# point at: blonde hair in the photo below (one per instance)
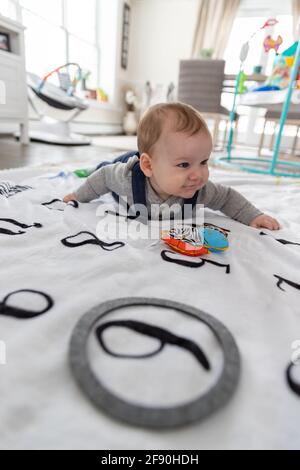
(186, 119)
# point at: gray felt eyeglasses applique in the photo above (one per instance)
(155, 417)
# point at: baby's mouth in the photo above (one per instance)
(192, 186)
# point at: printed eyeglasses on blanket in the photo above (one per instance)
(10, 306)
(154, 362)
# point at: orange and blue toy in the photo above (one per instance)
(196, 241)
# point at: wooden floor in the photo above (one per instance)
(15, 155)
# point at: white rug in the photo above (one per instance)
(42, 406)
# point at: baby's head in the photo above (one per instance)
(175, 145)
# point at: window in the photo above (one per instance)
(60, 31)
(8, 8)
(284, 28)
(49, 10)
(251, 17)
(81, 19)
(242, 30)
(86, 55)
(45, 44)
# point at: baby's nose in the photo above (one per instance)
(195, 175)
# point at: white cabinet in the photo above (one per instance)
(13, 88)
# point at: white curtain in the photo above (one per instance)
(215, 20)
(296, 16)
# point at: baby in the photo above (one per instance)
(171, 167)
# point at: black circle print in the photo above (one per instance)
(11, 311)
(292, 384)
(52, 205)
(163, 416)
(92, 240)
(6, 231)
(164, 336)
(197, 263)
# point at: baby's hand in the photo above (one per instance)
(265, 221)
(70, 197)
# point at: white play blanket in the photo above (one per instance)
(42, 406)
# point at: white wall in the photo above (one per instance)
(161, 34)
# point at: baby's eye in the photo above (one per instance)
(204, 162)
(183, 165)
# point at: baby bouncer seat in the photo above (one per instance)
(61, 97)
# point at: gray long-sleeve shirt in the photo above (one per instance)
(117, 178)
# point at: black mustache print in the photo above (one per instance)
(20, 312)
(192, 264)
(126, 217)
(217, 227)
(93, 240)
(48, 204)
(290, 283)
(18, 224)
(164, 336)
(281, 240)
(293, 385)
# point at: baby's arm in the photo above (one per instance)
(94, 187)
(234, 205)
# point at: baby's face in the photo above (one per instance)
(180, 163)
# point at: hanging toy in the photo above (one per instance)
(196, 241)
(242, 87)
(270, 43)
(245, 46)
(269, 22)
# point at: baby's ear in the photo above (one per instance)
(146, 164)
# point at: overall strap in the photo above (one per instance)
(138, 185)
(191, 201)
(126, 156)
(122, 158)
